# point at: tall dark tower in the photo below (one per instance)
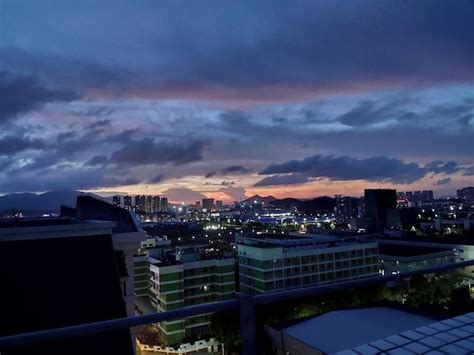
(377, 203)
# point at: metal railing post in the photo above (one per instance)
(248, 338)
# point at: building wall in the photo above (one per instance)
(268, 269)
(377, 203)
(150, 248)
(188, 284)
(141, 277)
(128, 243)
(390, 264)
(461, 252)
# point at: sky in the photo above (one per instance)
(227, 99)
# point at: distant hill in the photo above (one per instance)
(48, 202)
(259, 199)
(315, 205)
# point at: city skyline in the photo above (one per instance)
(237, 99)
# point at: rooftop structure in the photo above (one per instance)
(127, 235)
(333, 332)
(49, 286)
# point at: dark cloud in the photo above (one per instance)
(227, 183)
(210, 174)
(369, 112)
(443, 181)
(122, 137)
(6, 162)
(439, 167)
(399, 109)
(376, 76)
(95, 111)
(282, 179)
(469, 171)
(232, 170)
(63, 136)
(100, 124)
(149, 151)
(347, 168)
(98, 160)
(229, 47)
(157, 179)
(19, 95)
(12, 144)
(64, 178)
(235, 169)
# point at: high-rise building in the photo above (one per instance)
(140, 203)
(427, 196)
(377, 203)
(347, 208)
(164, 205)
(219, 205)
(466, 193)
(268, 264)
(116, 200)
(208, 204)
(127, 202)
(183, 279)
(417, 196)
(156, 204)
(149, 204)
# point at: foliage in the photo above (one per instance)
(225, 328)
(433, 291)
(460, 301)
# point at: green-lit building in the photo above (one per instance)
(185, 279)
(269, 263)
(151, 248)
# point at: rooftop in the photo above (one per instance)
(35, 222)
(339, 330)
(450, 336)
(275, 240)
(408, 250)
(90, 208)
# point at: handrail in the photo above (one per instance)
(244, 302)
(113, 324)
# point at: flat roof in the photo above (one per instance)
(408, 250)
(35, 222)
(285, 240)
(49, 230)
(449, 336)
(339, 330)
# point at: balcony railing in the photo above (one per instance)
(245, 303)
